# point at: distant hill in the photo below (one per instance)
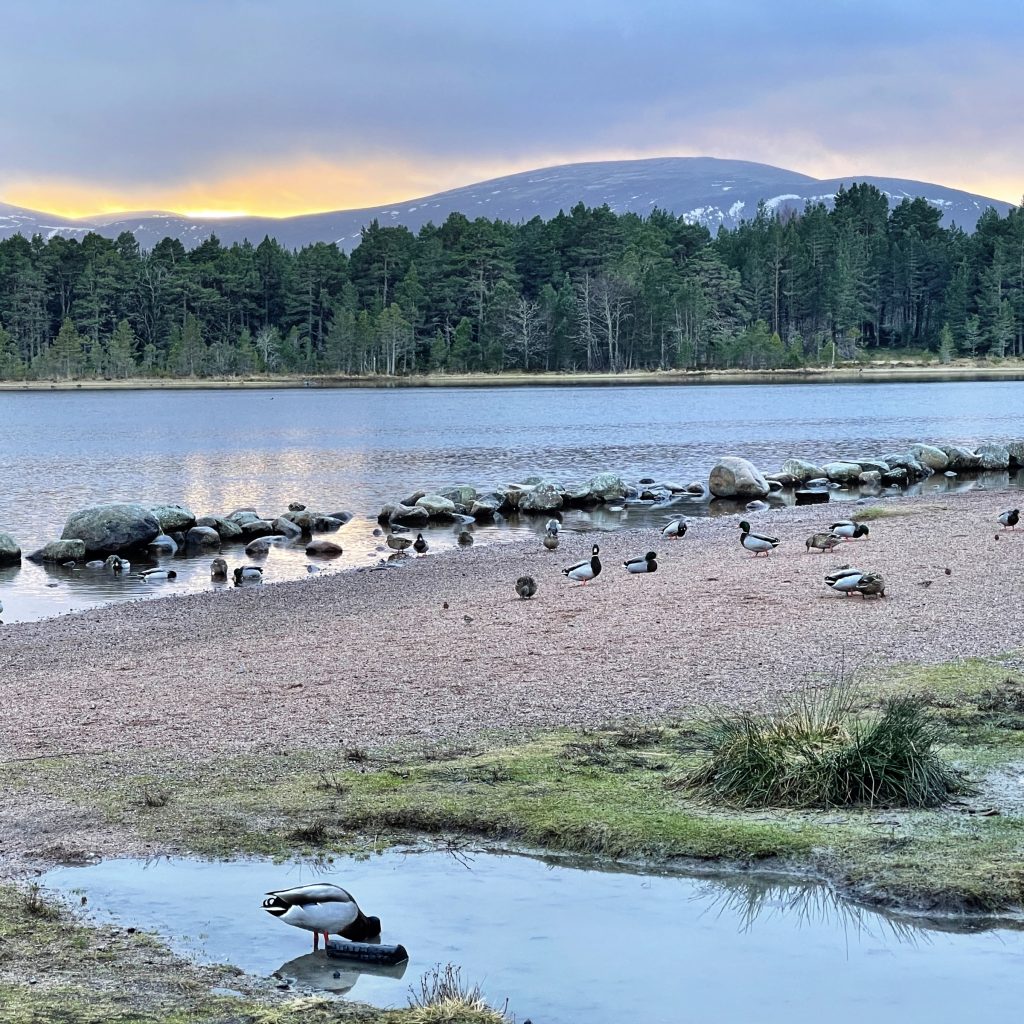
(704, 190)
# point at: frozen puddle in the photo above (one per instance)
(565, 944)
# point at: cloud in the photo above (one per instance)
(255, 104)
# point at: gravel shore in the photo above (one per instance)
(371, 658)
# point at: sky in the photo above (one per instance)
(278, 107)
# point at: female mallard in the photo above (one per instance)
(218, 570)
(550, 541)
(397, 543)
(871, 584)
(465, 539)
(849, 530)
(248, 574)
(845, 579)
(419, 545)
(584, 572)
(158, 574)
(526, 587)
(1010, 518)
(675, 530)
(822, 541)
(322, 909)
(755, 542)
(646, 563)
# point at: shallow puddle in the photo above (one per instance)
(564, 944)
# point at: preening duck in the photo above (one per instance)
(218, 569)
(322, 909)
(526, 587)
(675, 530)
(645, 563)
(845, 579)
(583, 572)
(849, 530)
(419, 545)
(756, 542)
(822, 541)
(248, 574)
(158, 574)
(552, 527)
(117, 565)
(1010, 518)
(871, 584)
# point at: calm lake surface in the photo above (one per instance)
(216, 451)
(565, 945)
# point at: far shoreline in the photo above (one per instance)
(895, 372)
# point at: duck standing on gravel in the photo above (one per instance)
(844, 580)
(248, 574)
(322, 909)
(1010, 518)
(584, 572)
(756, 542)
(871, 584)
(675, 529)
(526, 587)
(645, 563)
(822, 542)
(419, 545)
(550, 541)
(849, 530)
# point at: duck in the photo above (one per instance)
(158, 574)
(1010, 518)
(584, 572)
(844, 580)
(419, 545)
(822, 541)
(218, 570)
(465, 539)
(552, 527)
(526, 587)
(398, 543)
(163, 544)
(645, 563)
(849, 530)
(755, 542)
(550, 541)
(675, 530)
(871, 584)
(248, 573)
(117, 565)
(322, 909)
(312, 569)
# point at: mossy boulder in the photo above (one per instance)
(173, 517)
(59, 551)
(111, 529)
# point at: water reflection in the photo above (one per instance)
(317, 972)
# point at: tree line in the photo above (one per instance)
(588, 290)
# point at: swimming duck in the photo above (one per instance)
(822, 541)
(117, 565)
(1010, 518)
(158, 574)
(583, 572)
(465, 539)
(419, 545)
(526, 587)
(322, 909)
(398, 543)
(675, 530)
(552, 527)
(248, 573)
(871, 584)
(550, 541)
(755, 542)
(646, 563)
(845, 579)
(218, 569)
(849, 530)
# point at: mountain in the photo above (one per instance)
(702, 189)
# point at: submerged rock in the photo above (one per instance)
(60, 551)
(111, 529)
(202, 537)
(323, 549)
(733, 477)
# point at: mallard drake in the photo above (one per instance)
(465, 539)
(849, 530)
(419, 545)
(158, 574)
(845, 579)
(1010, 518)
(550, 541)
(248, 574)
(322, 909)
(871, 584)
(526, 587)
(645, 563)
(398, 543)
(756, 542)
(583, 572)
(675, 530)
(218, 569)
(822, 541)
(552, 527)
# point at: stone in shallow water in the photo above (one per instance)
(111, 529)
(733, 477)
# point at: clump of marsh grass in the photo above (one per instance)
(35, 904)
(820, 753)
(444, 998)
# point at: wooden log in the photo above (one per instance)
(366, 952)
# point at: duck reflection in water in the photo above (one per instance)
(316, 973)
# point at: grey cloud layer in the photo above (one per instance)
(125, 91)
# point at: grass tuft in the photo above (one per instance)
(152, 796)
(444, 997)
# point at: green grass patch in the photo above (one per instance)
(874, 512)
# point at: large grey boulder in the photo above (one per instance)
(544, 497)
(461, 494)
(287, 528)
(59, 551)
(253, 528)
(10, 551)
(993, 456)
(607, 486)
(225, 528)
(870, 478)
(202, 537)
(173, 517)
(873, 465)
(928, 455)
(801, 469)
(111, 529)
(1016, 450)
(260, 547)
(961, 459)
(842, 472)
(733, 477)
(396, 512)
(325, 524)
(437, 506)
(243, 516)
(487, 506)
(916, 469)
